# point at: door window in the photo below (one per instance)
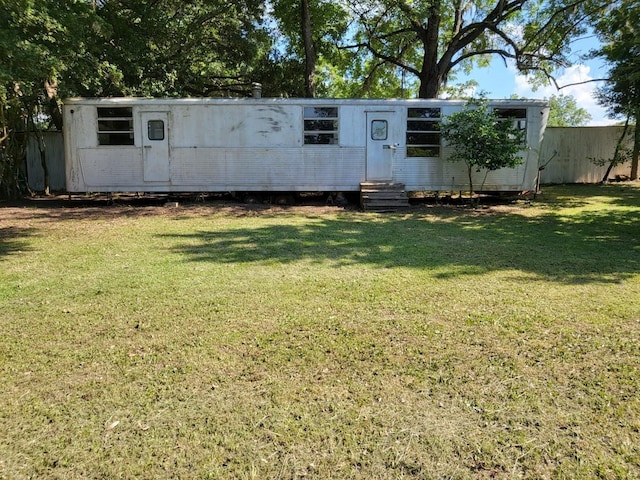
(155, 129)
(379, 129)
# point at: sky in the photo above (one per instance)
(501, 81)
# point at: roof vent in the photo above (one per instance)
(256, 90)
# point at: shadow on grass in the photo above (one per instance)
(12, 240)
(588, 247)
(578, 195)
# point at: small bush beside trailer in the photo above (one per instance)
(278, 145)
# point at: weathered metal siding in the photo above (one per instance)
(571, 164)
(569, 150)
(248, 144)
(54, 157)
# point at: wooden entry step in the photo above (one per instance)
(383, 196)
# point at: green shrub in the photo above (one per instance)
(482, 140)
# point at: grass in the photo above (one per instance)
(221, 341)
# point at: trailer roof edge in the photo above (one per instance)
(291, 101)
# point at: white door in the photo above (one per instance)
(155, 145)
(382, 143)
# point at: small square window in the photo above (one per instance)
(155, 129)
(379, 129)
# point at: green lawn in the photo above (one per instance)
(229, 341)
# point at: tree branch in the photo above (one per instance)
(593, 80)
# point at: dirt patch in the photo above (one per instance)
(68, 207)
(103, 206)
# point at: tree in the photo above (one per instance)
(564, 112)
(482, 140)
(432, 39)
(619, 31)
(52, 49)
(195, 48)
(39, 42)
(311, 30)
(621, 154)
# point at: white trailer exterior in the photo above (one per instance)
(274, 144)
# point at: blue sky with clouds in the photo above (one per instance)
(502, 81)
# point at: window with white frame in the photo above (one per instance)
(115, 126)
(321, 125)
(423, 132)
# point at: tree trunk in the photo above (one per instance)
(12, 153)
(4, 133)
(43, 161)
(309, 51)
(51, 91)
(636, 149)
(616, 153)
(429, 85)
(430, 77)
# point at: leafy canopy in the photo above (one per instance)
(620, 32)
(432, 40)
(565, 112)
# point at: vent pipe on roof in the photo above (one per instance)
(256, 90)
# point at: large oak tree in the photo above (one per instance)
(432, 39)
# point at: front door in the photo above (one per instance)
(382, 143)
(155, 146)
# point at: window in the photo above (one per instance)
(379, 129)
(320, 125)
(423, 132)
(517, 115)
(155, 129)
(115, 126)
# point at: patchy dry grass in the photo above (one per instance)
(221, 341)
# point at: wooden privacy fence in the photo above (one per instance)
(54, 154)
(566, 151)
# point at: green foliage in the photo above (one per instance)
(433, 40)
(564, 112)
(39, 41)
(328, 23)
(463, 91)
(165, 48)
(620, 32)
(481, 140)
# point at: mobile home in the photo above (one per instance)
(275, 144)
